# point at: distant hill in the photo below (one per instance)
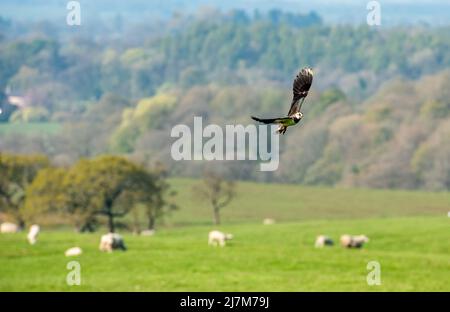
(377, 114)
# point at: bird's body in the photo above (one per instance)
(301, 86)
(283, 123)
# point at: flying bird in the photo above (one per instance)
(301, 86)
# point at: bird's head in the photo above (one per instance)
(298, 115)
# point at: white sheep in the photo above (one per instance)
(111, 241)
(359, 241)
(33, 234)
(349, 241)
(346, 240)
(216, 238)
(323, 240)
(268, 221)
(9, 227)
(74, 251)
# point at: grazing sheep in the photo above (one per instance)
(218, 238)
(359, 241)
(111, 241)
(9, 227)
(349, 241)
(148, 233)
(268, 221)
(74, 251)
(346, 240)
(323, 240)
(33, 234)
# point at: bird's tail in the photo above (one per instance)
(281, 128)
(266, 121)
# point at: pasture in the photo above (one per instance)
(408, 234)
(29, 128)
(287, 202)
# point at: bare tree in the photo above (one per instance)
(162, 199)
(217, 191)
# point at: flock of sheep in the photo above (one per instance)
(217, 238)
(347, 241)
(114, 241)
(32, 236)
(108, 242)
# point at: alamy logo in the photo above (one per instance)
(374, 276)
(228, 144)
(73, 278)
(74, 15)
(374, 15)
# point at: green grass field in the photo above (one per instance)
(30, 127)
(408, 231)
(254, 202)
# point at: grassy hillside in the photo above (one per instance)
(408, 234)
(413, 253)
(254, 202)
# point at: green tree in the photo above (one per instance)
(149, 113)
(45, 195)
(160, 201)
(17, 172)
(107, 185)
(30, 114)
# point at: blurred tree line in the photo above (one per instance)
(56, 71)
(104, 188)
(377, 115)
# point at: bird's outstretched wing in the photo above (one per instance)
(300, 88)
(281, 120)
